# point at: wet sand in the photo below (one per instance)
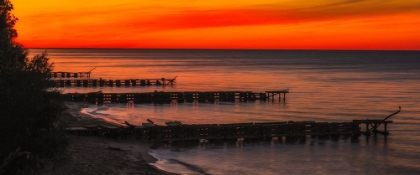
(93, 155)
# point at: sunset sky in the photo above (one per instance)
(219, 24)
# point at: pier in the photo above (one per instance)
(113, 83)
(71, 74)
(372, 125)
(290, 130)
(171, 97)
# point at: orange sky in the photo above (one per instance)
(225, 24)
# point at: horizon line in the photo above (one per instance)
(239, 49)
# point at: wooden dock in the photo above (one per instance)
(112, 83)
(171, 97)
(71, 74)
(177, 131)
(290, 130)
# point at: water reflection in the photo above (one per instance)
(325, 86)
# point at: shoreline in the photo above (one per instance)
(99, 155)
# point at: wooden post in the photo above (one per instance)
(374, 128)
(272, 97)
(367, 129)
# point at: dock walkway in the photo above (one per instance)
(169, 97)
(290, 130)
(87, 82)
(177, 131)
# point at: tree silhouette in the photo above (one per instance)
(29, 105)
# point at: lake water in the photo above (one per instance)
(324, 86)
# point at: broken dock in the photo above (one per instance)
(113, 83)
(290, 130)
(62, 74)
(171, 97)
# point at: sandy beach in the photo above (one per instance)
(93, 155)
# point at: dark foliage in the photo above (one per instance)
(29, 105)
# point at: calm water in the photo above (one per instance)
(324, 86)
